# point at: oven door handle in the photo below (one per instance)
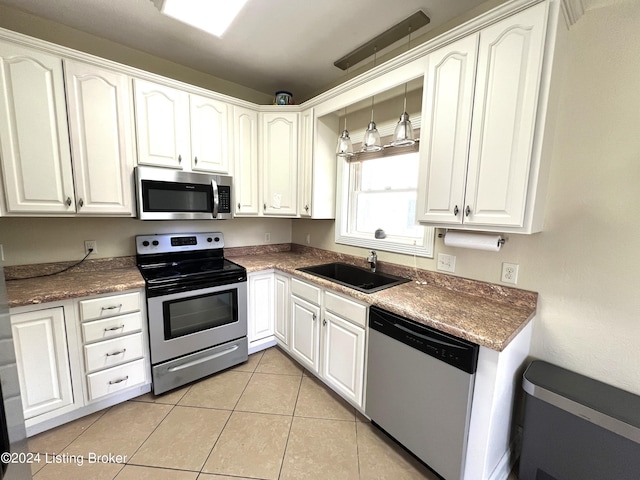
(203, 359)
(216, 198)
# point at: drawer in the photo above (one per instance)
(304, 290)
(113, 352)
(110, 306)
(111, 327)
(346, 308)
(116, 379)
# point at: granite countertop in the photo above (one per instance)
(93, 277)
(484, 313)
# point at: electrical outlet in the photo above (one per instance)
(446, 263)
(509, 273)
(308, 239)
(1, 254)
(90, 245)
(267, 237)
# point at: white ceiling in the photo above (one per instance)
(272, 45)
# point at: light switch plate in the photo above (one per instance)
(446, 263)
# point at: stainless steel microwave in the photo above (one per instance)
(164, 194)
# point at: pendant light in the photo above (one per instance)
(371, 141)
(403, 134)
(345, 146)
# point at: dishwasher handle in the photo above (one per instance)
(447, 348)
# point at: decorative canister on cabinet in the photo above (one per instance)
(283, 98)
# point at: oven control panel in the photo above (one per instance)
(178, 242)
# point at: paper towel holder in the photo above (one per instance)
(501, 242)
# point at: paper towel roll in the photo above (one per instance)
(479, 241)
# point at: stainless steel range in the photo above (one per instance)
(196, 307)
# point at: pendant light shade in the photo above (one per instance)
(345, 147)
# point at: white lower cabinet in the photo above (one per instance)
(328, 337)
(79, 356)
(283, 308)
(260, 310)
(44, 373)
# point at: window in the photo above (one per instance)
(377, 203)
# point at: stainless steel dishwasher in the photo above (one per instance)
(419, 389)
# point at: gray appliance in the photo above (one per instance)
(419, 389)
(12, 429)
(577, 428)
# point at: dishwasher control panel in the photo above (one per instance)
(447, 348)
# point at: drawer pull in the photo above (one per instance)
(113, 328)
(112, 307)
(120, 380)
(115, 353)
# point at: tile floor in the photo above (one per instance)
(265, 419)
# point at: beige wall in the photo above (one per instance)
(42, 240)
(43, 29)
(586, 262)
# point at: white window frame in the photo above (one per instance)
(389, 244)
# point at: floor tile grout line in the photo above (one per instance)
(293, 415)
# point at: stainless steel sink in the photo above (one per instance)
(354, 277)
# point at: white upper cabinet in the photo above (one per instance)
(245, 154)
(34, 139)
(162, 125)
(209, 134)
(444, 151)
(102, 138)
(279, 160)
(177, 129)
(479, 162)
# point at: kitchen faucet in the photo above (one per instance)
(373, 260)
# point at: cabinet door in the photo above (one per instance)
(282, 308)
(306, 163)
(279, 160)
(444, 149)
(43, 363)
(209, 134)
(162, 125)
(303, 342)
(102, 138)
(261, 306)
(245, 153)
(504, 112)
(343, 356)
(34, 138)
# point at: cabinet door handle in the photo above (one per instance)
(68, 202)
(180, 159)
(196, 160)
(467, 211)
(112, 307)
(324, 322)
(115, 353)
(120, 380)
(238, 205)
(456, 210)
(306, 208)
(80, 203)
(265, 206)
(113, 329)
(314, 317)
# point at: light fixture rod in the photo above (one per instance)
(392, 35)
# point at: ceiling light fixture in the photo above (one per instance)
(403, 135)
(212, 16)
(371, 141)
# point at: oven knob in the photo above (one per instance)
(145, 243)
(155, 243)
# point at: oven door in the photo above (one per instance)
(186, 322)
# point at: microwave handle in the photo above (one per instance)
(216, 198)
